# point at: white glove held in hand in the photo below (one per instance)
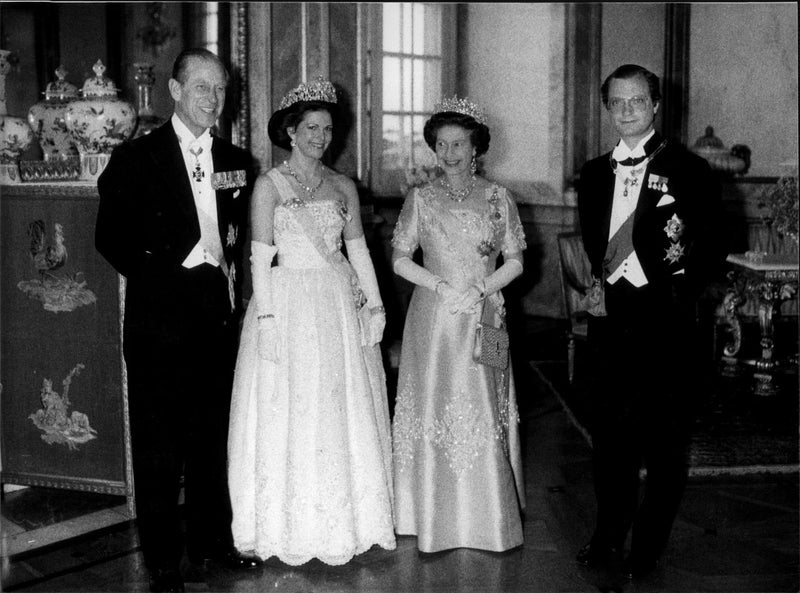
(358, 254)
(377, 323)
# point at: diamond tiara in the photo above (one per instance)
(462, 106)
(319, 90)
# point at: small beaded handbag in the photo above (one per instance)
(491, 343)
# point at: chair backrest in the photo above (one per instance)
(576, 274)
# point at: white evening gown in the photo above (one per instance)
(457, 461)
(309, 449)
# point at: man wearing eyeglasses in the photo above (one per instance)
(649, 215)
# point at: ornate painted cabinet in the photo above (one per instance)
(63, 399)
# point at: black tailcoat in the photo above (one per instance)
(645, 351)
(180, 336)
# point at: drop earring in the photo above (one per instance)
(474, 165)
(293, 143)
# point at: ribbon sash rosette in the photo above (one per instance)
(228, 179)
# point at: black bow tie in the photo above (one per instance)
(629, 162)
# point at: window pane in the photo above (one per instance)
(418, 84)
(393, 144)
(407, 25)
(392, 81)
(391, 26)
(432, 27)
(418, 47)
(408, 65)
(422, 154)
(433, 84)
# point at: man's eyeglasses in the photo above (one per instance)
(637, 103)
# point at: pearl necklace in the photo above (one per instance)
(458, 195)
(309, 190)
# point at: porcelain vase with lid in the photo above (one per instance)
(98, 122)
(48, 118)
(15, 133)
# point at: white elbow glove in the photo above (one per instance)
(358, 254)
(501, 277)
(261, 266)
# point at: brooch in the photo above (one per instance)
(674, 228)
(674, 253)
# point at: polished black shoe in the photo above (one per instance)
(635, 569)
(593, 555)
(234, 559)
(166, 581)
(228, 557)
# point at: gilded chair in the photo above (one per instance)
(576, 279)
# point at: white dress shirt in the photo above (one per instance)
(205, 197)
(624, 206)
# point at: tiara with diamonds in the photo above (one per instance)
(319, 90)
(462, 106)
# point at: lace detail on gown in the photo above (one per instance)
(309, 465)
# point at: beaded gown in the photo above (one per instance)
(457, 462)
(309, 450)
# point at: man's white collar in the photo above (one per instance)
(622, 152)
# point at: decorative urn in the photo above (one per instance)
(719, 158)
(47, 118)
(98, 122)
(15, 134)
(147, 120)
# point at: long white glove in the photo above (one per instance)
(468, 300)
(358, 254)
(416, 274)
(261, 266)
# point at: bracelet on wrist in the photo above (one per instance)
(266, 316)
(438, 284)
(378, 309)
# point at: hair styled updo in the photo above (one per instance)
(291, 117)
(478, 133)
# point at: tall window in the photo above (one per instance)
(413, 66)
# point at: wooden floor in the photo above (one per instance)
(733, 534)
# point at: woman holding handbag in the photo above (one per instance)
(457, 462)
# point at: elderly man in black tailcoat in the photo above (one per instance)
(172, 216)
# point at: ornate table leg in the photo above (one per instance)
(730, 304)
(772, 289)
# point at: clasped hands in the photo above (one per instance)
(460, 302)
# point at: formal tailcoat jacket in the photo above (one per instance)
(676, 233)
(147, 225)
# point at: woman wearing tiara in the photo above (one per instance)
(458, 472)
(309, 448)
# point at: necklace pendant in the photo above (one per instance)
(198, 173)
